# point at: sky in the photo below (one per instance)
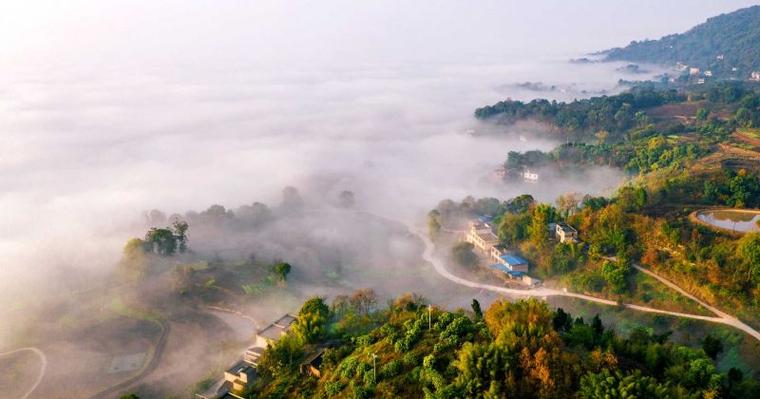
(124, 33)
(112, 108)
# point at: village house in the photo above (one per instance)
(755, 76)
(311, 365)
(513, 266)
(481, 236)
(273, 332)
(693, 71)
(565, 233)
(239, 375)
(530, 176)
(252, 355)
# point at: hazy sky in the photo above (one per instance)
(124, 33)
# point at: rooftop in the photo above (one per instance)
(566, 227)
(488, 236)
(239, 367)
(513, 260)
(277, 329)
(502, 268)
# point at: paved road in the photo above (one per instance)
(721, 317)
(42, 357)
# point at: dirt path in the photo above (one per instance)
(721, 317)
(725, 318)
(42, 357)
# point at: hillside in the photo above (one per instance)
(520, 350)
(734, 36)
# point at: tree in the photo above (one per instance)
(748, 251)
(434, 224)
(712, 346)
(562, 321)
(476, 309)
(702, 114)
(513, 228)
(180, 234)
(312, 320)
(129, 396)
(364, 300)
(602, 136)
(541, 216)
(568, 204)
(616, 385)
(463, 254)
(161, 241)
(615, 274)
(282, 269)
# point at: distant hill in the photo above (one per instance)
(719, 44)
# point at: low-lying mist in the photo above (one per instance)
(83, 156)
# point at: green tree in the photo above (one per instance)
(161, 241)
(702, 114)
(615, 274)
(282, 269)
(513, 228)
(616, 385)
(312, 320)
(712, 346)
(748, 251)
(541, 216)
(476, 309)
(180, 234)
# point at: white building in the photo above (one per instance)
(693, 71)
(755, 76)
(563, 232)
(481, 236)
(708, 74)
(530, 176)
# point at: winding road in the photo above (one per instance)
(43, 368)
(721, 317)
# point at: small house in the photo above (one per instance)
(273, 332)
(252, 355)
(529, 176)
(311, 365)
(693, 71)
(481, 236)
(565, 233)
(240, 375)
(755, 76)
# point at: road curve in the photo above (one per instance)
(725, 317)
(721, 317)
(43, 368)
(440, 268)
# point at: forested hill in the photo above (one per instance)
(735, 36)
